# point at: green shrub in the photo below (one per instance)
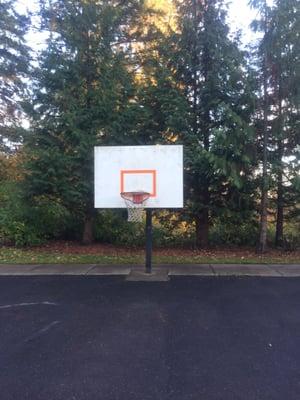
(23, 224)
(113, 227)
(291, 235)
(46, 217)
(241, 234)
(19, 234)
(49, 216)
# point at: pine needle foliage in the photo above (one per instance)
(14, 62)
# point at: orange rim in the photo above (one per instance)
(135, 197)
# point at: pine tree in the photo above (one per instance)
(84, 96)
(263, 124)
(284, 87)
(14, 61)
(278, 73)
(218, 140)
(163, 105)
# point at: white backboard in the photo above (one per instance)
(154, 169)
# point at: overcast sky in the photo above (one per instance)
(240, 16)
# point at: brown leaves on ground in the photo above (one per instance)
(240, 253)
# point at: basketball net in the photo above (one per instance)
(135, 203)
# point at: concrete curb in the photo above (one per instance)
(261, 270)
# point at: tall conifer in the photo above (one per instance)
(14, 61)
(218, 142)
(83, 97)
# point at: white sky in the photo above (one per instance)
(240, 16)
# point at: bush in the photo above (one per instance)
(49, 216)
(113, 227)
(174, 230)
(46, 217)
(23, 224)
(240, 234)
(170, 230)
(19, 234)
(291, 236)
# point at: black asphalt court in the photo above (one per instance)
(190, 338)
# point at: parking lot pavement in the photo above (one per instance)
(190, 338)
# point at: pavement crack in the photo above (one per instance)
(212, 268)
(90, 269)
(46, 303)
(41, 331)
(275, 269)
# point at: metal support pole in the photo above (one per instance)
(148, 240)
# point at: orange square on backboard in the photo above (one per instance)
(138, 172)
(153, 169)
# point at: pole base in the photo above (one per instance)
(160, 275)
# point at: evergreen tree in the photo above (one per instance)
(218, 140)
(163, 105)
(278, 127)
(285, 99)
(14, 60)
(263, 115)
(83, 96)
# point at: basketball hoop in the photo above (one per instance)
(135, 202)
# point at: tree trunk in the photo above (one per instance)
(88, 235)
(279, 219)
(202, 229)
(262, 241)
(202, 218)
(280, 201)
(201, 125)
